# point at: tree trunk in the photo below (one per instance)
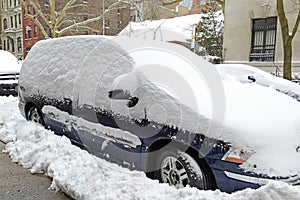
(286, 40)
(287, 61)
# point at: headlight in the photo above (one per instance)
(238, 156)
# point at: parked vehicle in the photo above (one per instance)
(9, 73)
(247, 73)
(86, 88)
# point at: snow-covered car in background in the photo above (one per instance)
(9, 73)
(248, 74)
(92, 90)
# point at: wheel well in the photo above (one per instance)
(189, 150)
(27, 107)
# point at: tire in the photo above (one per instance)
(35, 115)
(179, 169)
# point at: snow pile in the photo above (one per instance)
(83, 176)
(8, 63)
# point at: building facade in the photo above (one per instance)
(111, 24)
(154, 10)
(252, 34)
(11, 27)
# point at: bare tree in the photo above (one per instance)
(287, 37)
(56, 20)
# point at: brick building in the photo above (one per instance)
(111, 24)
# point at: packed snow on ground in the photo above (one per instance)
(83, 176)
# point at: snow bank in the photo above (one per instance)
(83, 176)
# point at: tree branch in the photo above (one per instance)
(38, 23)
(296, 25)
(39, 12)
(83, 23)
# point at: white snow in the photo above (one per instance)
(8, 62)
(83, 176)
(170, 29)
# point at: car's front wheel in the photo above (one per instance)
(35, 115)
(180, 169)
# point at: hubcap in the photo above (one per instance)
(173, 172)
(35, 116)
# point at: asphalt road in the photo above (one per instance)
(17, 183)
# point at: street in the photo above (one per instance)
(18, 183)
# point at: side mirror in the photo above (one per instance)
(123, 95)
(132, 102)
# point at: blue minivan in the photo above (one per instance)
(86, 88)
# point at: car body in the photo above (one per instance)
(9, 73)
(80, 87)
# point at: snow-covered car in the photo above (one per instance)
(248, 74)
(98, 92)
(9, 73)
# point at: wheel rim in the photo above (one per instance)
(173, 172)
(35, 116)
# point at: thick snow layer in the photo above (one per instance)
(267, 119)
(83, 176)
(244, 73)
(170, 29)
(8, 63)
(95, 63)
(177, 28)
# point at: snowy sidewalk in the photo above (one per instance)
(18, 183)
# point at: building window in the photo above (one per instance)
(10, 4)
(263, 39)
(19, 44)
(27, 50)
(20, 21)
(7, 41)
(85, 17)
(4, 23)
(11, 22)
(4, 45)
(12, 45)
(35, 31)
(106, 22)
(28, 32)
(16, 24)
(202, 2)
(28, 9)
